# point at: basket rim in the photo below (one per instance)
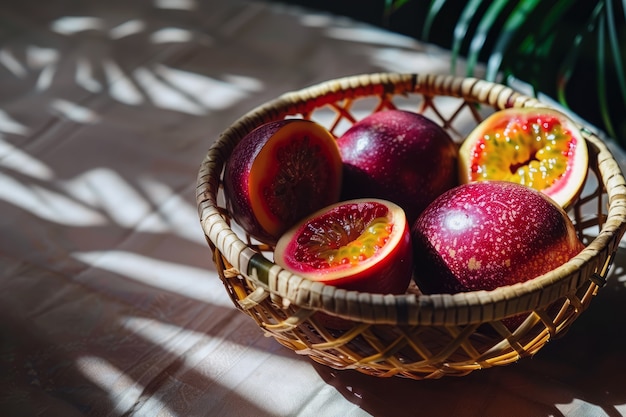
(405, 308)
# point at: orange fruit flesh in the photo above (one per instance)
(366, 245)
(342, 240)
(533, 153)
(537, 147)
(296, 173)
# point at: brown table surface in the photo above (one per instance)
(109, 302)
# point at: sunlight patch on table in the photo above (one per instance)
(10, 125)
(190, 345)
(580, 407)
(194, 283)
(174, 213)
(176, 4)
(85, 76)
(40, 57)
(109, 193)
(370, 35)
(166, 88)
(211, 93)
(121, 87)
(123, 391)
(11, 63)
(105, 189)
(171, 35)
(315, 20)
(250, 84)
(44, 81)
(69, 25)
(45, 60)
(74, 112)
(47, 204)
(401, 60)
(17, 160)
(128, 28)
(163, 95)
(220, 359)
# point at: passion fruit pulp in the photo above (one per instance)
(361, 244)
(538, 147)
(279, 173)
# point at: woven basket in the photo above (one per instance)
(411, 335)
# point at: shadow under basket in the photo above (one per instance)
(411, 335)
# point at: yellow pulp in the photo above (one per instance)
(529, 155)
(373, 238)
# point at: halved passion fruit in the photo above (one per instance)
(361, 244)
(279, 173)
(538, 147)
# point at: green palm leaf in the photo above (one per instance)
(602, 98)
(482, 31)
(391, 6)
(462, 29)
(569, 63)
(545, 44)
(615, 49)
(513, 23)
(433, 12)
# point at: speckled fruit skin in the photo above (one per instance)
(483, 235)
(400, 156)
(279, 173)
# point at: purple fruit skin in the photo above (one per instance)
(483, 235)
(236, 174)
(399, 156)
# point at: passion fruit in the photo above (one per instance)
(279, 173)
(361, 244)
(541, 148)
(400, 156)
(487, 234)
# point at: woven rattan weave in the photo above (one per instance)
(411, 335)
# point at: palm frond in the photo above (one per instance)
(568, 65)
(391, 6)
(601, 62)
(482, 31)
(545, 44)
(615, 49)
(517, 19)
(462, 29)
(433, 11)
